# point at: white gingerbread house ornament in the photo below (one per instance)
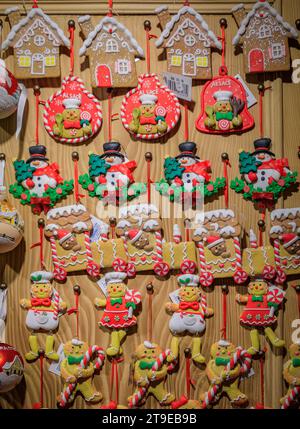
(36, 40)
(112, 50)
(188, 41)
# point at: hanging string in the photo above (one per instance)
(187, 229)
(262, 89)
(39, 405)
(112, 222)
(223, 25)
(71, 27)
(35, 4)
(261, 225)
(37, 93)
(148, 158)
(1, 37)
(75, 309)
(114, 379)
(109, 115)
(147, 27)
(189, 381)
(186, 3)
(262, 377)
(40, 243)
(110, 8)
(186, 121)
(78, 196)
(224, 309)
(226, 164)
(150, 291)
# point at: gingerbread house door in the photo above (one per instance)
(189, 65)
(103, 76)
(256, 61)
(37, 64)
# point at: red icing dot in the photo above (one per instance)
(246, 188)
(209, 267)
(284, 262)
(233, 264)
(281, 182)
(59, 191)
(143, 258)
(23, 196)
(210, 188)
(91, 187)
(221, 265)
(74, 258)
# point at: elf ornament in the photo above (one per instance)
(151, 110)
(217, 236)
(187, 174)
(120, 303)
(262, 304)
(11, 224)
(11, 368)
(149, 373)
(188, 316)
(38, 182)
(72, 114)
(291, 375)
(264, 178)
(77, 371)
(110, 176)
(224, 371)
(44, 309)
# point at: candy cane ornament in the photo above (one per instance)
(292, 397)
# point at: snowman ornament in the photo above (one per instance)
(194, 169)
(44, 175)
(268, 169)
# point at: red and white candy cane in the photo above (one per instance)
(55, 300)
(137, 397)
(188, 267)
(269, 272)
(240, 356)
(159, 250)
(240, 276)
(281, 276)
(206, 278)
(89, 355)
(59, 273)
(292, 397)
(93, 269)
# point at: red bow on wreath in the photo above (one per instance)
(44, 202)
(199, 168)
(41, 302)
(189, 305)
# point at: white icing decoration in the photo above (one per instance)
(104, 25)
(223, 213)
(160, 8)
(11, 9)
(187, 10)
(252, 236)
(138, 209)
(150, 224)
(251, 14)
(200, 231)
(81, 226)
(61, 211)
(276, 229)
(237, 7)
(227, 230)
(281, 214)
(84, 18)
(34, 12)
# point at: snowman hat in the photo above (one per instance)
(112, 149)
(41, 277)
(134, 234)
(114, 277)
(263, 145)
(71, 103)
(187, 150)
(63, 235)
(289, 239)
(223, 95)
(188, 280)
(37, 152)
(213, 240)
(148, 99)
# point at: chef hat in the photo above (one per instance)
(41, 277)
(223, 95)
(115, 277)
(148, 99)
(188, 280)
(71, 103)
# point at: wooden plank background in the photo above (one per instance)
(281, 118)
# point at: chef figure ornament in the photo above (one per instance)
(110, 176)
(188, 316)
(264, 178)
(39, 182)
(43, 311)
(119, 305)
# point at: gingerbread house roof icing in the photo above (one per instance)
(34, 19)
(110, 25)
(198, 25)
(282, 214)
(74, 209)
(259, 5)
(137, 209)
(214, 214)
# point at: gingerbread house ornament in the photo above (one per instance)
(188, 42)
(264, 36)
(36, 40)
(112, 51)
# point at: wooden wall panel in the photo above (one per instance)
(281, 116)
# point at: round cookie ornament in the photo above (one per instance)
(150, 110)
(11, 368)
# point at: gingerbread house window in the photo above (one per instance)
(277, 51)
(24, 61)
(39, 40)
(264, 31)
(50, 61)
(189, 40)
(202, 61)
(123, 67)
(112, 46)
(176, 60)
